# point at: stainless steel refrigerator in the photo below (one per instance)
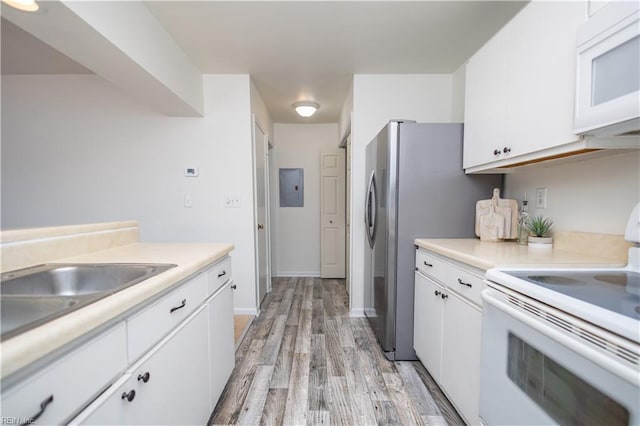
(415, 188)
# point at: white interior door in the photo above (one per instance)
(332, 214)
(260, 213)
(348, 216)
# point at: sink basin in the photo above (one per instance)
(33, 296)
(76, 280)
(18, 312)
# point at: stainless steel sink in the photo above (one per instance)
(32, 296)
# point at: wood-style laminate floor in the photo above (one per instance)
(304, 361)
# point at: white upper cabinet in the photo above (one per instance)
(541, 76)
(520, 88)
(485, 113)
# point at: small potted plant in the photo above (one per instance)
(539, 227)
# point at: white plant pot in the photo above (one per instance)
(540, 242)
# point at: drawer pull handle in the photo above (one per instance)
(144, 377)
(222, 274)
(463, 283)
(182, 305)
(428, 264)
(129, 395)
(233, 287)
(437, 293)
(444, 296)
(43, 407)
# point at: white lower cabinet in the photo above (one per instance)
(176, 380)
(461, 351)
(427, 327)
(57, 392)
(169, 385)
(112, 407)
(447, 331)
(177, 371)
(221, 353)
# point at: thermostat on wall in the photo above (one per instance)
(191, 172)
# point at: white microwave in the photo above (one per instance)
(608, 71)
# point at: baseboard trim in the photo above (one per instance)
(357, 313)
(313, 274)
(245, 311)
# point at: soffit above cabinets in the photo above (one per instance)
(22, 53)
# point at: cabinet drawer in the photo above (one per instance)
(466, 284)
(72, 381)
(219, 274)
(155, 322)
(431, 265)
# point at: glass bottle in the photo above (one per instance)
(523, 221)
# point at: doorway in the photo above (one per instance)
(261, 211)
(332, 213)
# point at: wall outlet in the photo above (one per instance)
(232, 201)
(541, 198)
(187, 201)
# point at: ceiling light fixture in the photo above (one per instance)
(24, 5)
(305, 108)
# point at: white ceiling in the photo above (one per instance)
(303, 50)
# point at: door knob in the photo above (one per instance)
(260, 226)
(330, 221)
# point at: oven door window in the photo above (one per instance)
(565, 397)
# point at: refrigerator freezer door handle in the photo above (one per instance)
(374, 209)
(369, 210)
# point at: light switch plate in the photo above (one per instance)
(541, 198)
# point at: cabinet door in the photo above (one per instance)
(176, 390)
(221, 341)
(486, 103)
(113, 407)
(541, 76)
(427, 324)
(461, 352)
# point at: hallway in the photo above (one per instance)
(305, 361)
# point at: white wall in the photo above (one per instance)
(298, 233)
(593, 195)
(77, 150)
(260, 110)
(344, 125)
(376, 100)
(458, 81)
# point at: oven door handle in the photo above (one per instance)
(493, 298)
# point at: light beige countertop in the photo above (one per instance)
(486, 255)
(26, 348)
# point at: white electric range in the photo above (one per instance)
(562, 345)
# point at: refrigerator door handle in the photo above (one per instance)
(373, 209)
(370, 205)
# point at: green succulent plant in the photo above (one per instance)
(539, 225)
